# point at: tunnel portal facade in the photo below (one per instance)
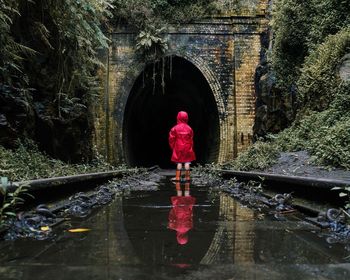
(210, 72)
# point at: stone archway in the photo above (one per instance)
(150, 112)
(225, 51)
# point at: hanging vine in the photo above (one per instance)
(151, 46)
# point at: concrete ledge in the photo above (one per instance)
(42, 184)
(297, 181)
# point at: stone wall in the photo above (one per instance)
(225, 49)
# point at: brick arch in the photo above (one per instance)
(137, 69)
(210, 78)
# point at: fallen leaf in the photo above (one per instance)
(79, 229)
(45, 228)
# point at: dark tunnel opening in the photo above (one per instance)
(151, 111)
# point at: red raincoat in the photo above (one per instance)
(181, 140)
(180, 217)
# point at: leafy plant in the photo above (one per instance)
(49, 57)
(142, 13)
(11, 200)
(319, 82)
(256, 157)
(299, 27)
(151, 44)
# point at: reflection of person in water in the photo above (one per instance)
(181, 214)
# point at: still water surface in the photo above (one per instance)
(164, 235)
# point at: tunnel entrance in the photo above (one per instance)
(159, 93)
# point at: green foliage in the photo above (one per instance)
(49, 54)
(11, 52)
(323, 124)
(290, 24)
(310, 40)
(324, 136)
(257, 157)
(67, 39)
(142, 13)
(150, 43)
(327, 18)
(299, 27)
(11, 200)
(59, 55)
(319, 81)
(27, 162)
(151, 18)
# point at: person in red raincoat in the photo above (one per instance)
(181, 142)
(181, 217)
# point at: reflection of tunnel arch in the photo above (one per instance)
(154, 242)
(151, 111)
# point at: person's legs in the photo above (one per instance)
(187, 171)
(187, 189)
(178, 188)
(178, 171)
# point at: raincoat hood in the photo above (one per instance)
(182, 238)
(182, 117)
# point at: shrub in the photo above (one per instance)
(27, 162)
(319, 82)
(298, 28)
(258, 156)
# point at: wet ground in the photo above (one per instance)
(164, 234)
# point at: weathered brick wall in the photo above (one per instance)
(225, 49)
(247, 56)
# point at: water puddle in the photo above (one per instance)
(164, 234)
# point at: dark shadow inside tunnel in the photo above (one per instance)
(159, 93)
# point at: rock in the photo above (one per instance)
(274, 110)
(147, 184)
(344, 68)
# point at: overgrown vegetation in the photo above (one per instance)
(11, 200)
(150, 18)
(143, 13)
(310, 40)
(49, 57)
(257, 157)
(48, 61)
(27, 162)
(298, 28)
(62, 38)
